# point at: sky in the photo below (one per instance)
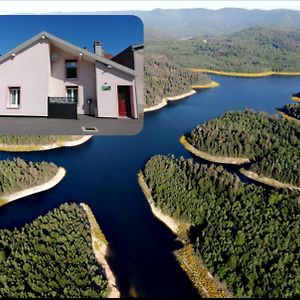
(115, 32)
(23, 6)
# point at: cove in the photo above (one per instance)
(103, 173)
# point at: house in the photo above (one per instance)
(50, 77)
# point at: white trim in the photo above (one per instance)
(11, 98)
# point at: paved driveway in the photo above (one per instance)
(45, 126)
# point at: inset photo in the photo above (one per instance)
(71, 74)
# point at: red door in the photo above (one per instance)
(122, 105)
(124, 101)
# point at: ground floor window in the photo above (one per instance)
(72, 93)
(14, 97)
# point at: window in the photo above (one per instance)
(72, 93)
(71, 69)
(14, 97)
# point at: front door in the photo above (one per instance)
(124, 100)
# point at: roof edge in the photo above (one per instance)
(50, 37)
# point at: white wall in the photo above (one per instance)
(85, 81)
(107, 101)
(29, 70)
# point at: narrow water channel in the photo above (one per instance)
(103, 174)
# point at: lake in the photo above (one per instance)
(103, 174)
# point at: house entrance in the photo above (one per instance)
(124, 100)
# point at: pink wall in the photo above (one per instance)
(29, 70)
(107, 101)
(85, 81)
(38, 77)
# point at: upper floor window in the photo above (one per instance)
(14, 97)
(71, 69)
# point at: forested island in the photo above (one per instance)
(51, 257)
(252, 50)
(165, 78)
(246, 235)
(291, 111)
(21, 143)
(269, 142)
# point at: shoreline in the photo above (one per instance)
(287, 117)
(212, 158)
(210, 85)
(35, 189)
(29, 148)
(239, 74)
(193, 91)
(165, 100)
(203, 281)
(168, 221)
(100, 248)
(294, 98)
(268, 181)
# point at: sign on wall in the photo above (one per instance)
(105, 87)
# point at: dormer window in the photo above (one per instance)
(71, 69)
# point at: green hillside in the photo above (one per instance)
(252, 50)
(163, 77)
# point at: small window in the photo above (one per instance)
(14, 97)
(72, 93)
(71, 69)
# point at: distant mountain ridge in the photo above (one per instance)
(182, 23)
(177, 23)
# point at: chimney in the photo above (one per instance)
(98, 48)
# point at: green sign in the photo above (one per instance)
(106, 87)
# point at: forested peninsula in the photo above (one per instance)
(296, 97)
(252, 51)
(270, 143)
(20, 178)
(24, 143)
(51, 257)
(291, 111)
(166, 79)
(246, 235)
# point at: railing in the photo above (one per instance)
(62, 107)
(62, 100)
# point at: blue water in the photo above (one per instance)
(103, 173)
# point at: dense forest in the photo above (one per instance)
(35, 139)
(272, 143)
(250, 51)
(51, 257)
(164, 78)
(17, 174)
(292, 110)
(247, 235)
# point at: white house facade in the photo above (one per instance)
(49, 77)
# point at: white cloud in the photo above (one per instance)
(10, 7)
